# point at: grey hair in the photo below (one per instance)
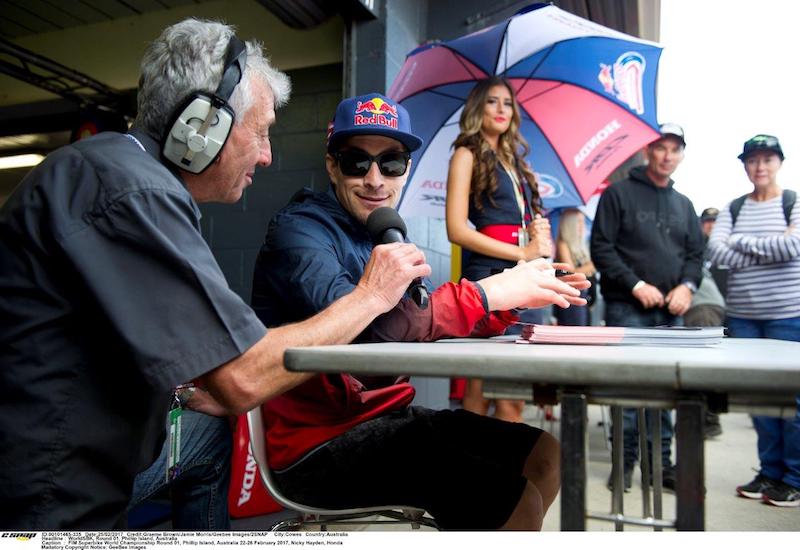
(189, 57)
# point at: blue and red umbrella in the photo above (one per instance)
(587, 95)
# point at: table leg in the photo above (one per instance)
(658, 467)
(690, 491)
(617, 466)
(644, 461)
(573, 462)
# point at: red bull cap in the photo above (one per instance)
(372, 114)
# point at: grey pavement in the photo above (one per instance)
(730, 461)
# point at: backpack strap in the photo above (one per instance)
(788, 199)
(736, 206)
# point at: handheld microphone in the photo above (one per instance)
(386, 226)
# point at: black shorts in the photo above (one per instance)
(463, 468)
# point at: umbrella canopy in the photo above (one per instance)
(587, 95)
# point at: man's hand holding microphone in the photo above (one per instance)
(530, 284)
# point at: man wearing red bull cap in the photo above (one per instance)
(340, 441)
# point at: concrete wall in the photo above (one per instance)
(451, 19)
(406, 29)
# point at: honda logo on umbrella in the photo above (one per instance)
(596, 140)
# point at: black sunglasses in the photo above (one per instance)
(355, 163)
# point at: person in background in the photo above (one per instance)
(491, 185)
(572, 248)
(718, 272)
(647, 244)
(708, 308)
(344, 441)
(755, 235)
(707, 220)
(110, 297)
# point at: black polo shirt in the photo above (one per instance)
(109, 297)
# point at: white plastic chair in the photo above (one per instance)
(323, 517)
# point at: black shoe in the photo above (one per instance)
(756, 488)
(711, 430)
(711, 426)
(667, 478)
(627, 476)
(781, 494)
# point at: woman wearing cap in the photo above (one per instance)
(491, 185)
(755, 235)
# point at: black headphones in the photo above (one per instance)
(201, 126)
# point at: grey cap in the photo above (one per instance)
(672, 129)
(709, 214)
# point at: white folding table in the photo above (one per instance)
(756, 374)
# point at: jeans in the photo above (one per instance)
(778, 438)
(200, 492)
(573, 316)
(624, 314)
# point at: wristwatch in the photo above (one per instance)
(184, 395)
(690, 285)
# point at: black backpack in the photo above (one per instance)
(788, 199)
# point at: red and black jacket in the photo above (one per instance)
(313, 254)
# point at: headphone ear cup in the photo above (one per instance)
(184, 139)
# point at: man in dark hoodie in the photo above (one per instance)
(648, 247)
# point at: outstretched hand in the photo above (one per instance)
(532, 285)
(575, 279)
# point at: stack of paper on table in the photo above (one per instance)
(653, 336)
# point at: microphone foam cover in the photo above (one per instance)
(384, 218)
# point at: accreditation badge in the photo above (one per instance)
(522, 237)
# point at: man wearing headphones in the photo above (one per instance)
(110, 297)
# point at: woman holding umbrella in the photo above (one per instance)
(491, 185)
